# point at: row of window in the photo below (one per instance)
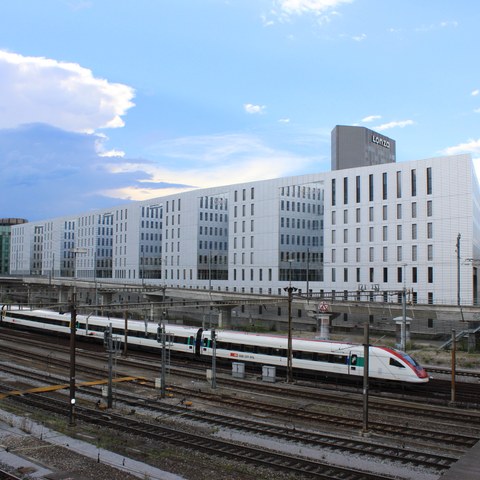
(384, 272)
(398, 179)
(399, 249)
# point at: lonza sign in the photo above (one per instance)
(380, 141)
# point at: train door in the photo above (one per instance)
(355, 364)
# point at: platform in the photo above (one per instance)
(467, 468)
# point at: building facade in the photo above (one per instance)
(358, 233)
(5, 234)
(359, 146)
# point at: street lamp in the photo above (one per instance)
(73, 328)
(290, 290)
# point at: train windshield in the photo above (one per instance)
(410, 360)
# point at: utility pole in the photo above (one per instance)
(366, 351)
(404, 311)
(108, 342)
(214, 359)
(458, 269)
(73, 328)
(454, 351)
(164, 361)
(125, 342)
(290, 291)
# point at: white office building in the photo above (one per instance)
(364, 231)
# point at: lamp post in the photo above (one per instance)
(458, 269)
(290, 290)
(73, 328)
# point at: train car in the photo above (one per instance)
(320, 356)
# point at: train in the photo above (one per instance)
(329, 358)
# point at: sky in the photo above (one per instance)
(104, 102)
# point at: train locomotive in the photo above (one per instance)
(317, 356)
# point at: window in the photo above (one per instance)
(399, 232)
(334, 217)
(430, 274)
(357, 189)
(333, 192)
(345, 190)
(395, 363)
(414, 253)
(399, 211)
(429, 208)
(399, 274)
(371, 255)
(399, 253)
(370, 234)
(414, 231)
(413, 180)
(429, 253)
(385, 254)
(414, 275)
(357, 215)
(370, 187)
(414, 209)
(357, 235)
(345, 216)
(345, 255)
(384, 212)
(345, 274)
(357, 255)
(429, 180)
(385, 233)
(334, 236)
(385, 274)
(370, 214)
(345, 235)
(429, 230)
(399, 184)
(384, 185)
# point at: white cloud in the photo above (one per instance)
(64, 95)
(389, 125)
(205, 161)
(254, 109)
(317, 7)
(475, 93)
(359, 38)
(371, 118)
(477, 110)
(284, 120)
(472, 146)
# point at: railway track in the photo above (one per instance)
(206, 444)
(312, 439)
(414, 411)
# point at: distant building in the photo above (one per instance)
(5, 234)
(356, 232)
(360, 147)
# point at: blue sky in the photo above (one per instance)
(108, 101)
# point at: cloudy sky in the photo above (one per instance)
(107, 101)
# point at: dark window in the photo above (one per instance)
(396, 363)
(384, 185)
(429, 180)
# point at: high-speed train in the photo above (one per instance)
(325, 357)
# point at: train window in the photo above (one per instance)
(337, 359)
(396, 363)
